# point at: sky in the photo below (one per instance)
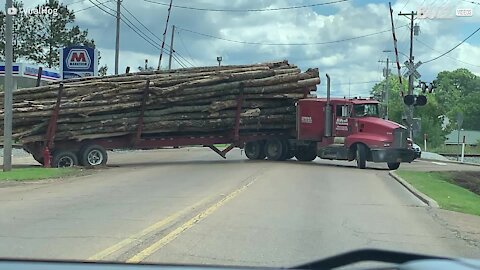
(351, 52)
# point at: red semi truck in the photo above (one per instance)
(337, 129)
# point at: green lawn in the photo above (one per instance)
(22, 174)
(449, 196)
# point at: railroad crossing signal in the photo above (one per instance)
(412, 69)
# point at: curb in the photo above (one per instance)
(452, 161)
(424, 198)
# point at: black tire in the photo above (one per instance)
(286, 150)
(254, 150)
(64, 159)
(274, 149)
(393, 165)
(304, 153)
(93, 155)
(361, 156)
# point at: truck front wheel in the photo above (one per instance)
(304, 153)
(254, 150)
(274, 149)
(361, 156)
(393, 165)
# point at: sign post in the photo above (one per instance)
(78, 62)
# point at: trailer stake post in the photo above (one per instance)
(51, 129)
(236, 134)
(138, 133)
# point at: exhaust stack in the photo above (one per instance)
(328, 112)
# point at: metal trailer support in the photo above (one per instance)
(306, 91)
(236, 130)
(138, 133)
(51, 129)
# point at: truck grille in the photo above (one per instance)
(400, 136)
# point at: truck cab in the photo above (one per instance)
(351, 129)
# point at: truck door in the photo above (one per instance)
(342, 115)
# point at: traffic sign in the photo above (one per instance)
(412, 69)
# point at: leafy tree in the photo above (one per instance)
(59, 32)
(459, 91)
(39, 36)
(23, 32)
(102, 71)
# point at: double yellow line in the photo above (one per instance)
(170, 236)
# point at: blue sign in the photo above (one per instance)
(78, 61)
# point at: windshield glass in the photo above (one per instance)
(363, 110)
(204, 131)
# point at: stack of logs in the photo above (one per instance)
(180, 101)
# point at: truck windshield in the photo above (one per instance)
(362, 110)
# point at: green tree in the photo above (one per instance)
(459, 91)
(59, 32)
(23, 34)
(102, 71)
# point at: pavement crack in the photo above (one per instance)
(459, 234)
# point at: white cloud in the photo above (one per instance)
(355, 60)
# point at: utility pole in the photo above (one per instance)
(171, 49)
(8, 90)
(386, 90)
(410, 77)
(164, 35)
(117, 38)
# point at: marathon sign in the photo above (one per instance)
(78, 61)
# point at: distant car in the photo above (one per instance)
(417, 150)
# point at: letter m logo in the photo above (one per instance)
(78, 59)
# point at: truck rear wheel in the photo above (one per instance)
(361, 156)
(393, 165)
(274, 149)
(304, 153)
(64, 159)
(93, 155)
(254, 150)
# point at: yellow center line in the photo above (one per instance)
(137, 236)
(175, 233)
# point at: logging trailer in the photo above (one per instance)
(335, 129)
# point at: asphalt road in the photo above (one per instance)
(190, 206)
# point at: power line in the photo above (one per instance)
(185, 47)
(456, 59)
(472, 2)
(139, 32)
(153, 34)
(247, 10)
(474, 32)
(285, 44)
(76, 11)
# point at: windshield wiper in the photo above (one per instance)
(363, 255)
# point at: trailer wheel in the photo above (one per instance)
(274, 149)
(93, 155)
(393, 165)
(305, 153)
(361, 156)
(63, 159)
(254, 150)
